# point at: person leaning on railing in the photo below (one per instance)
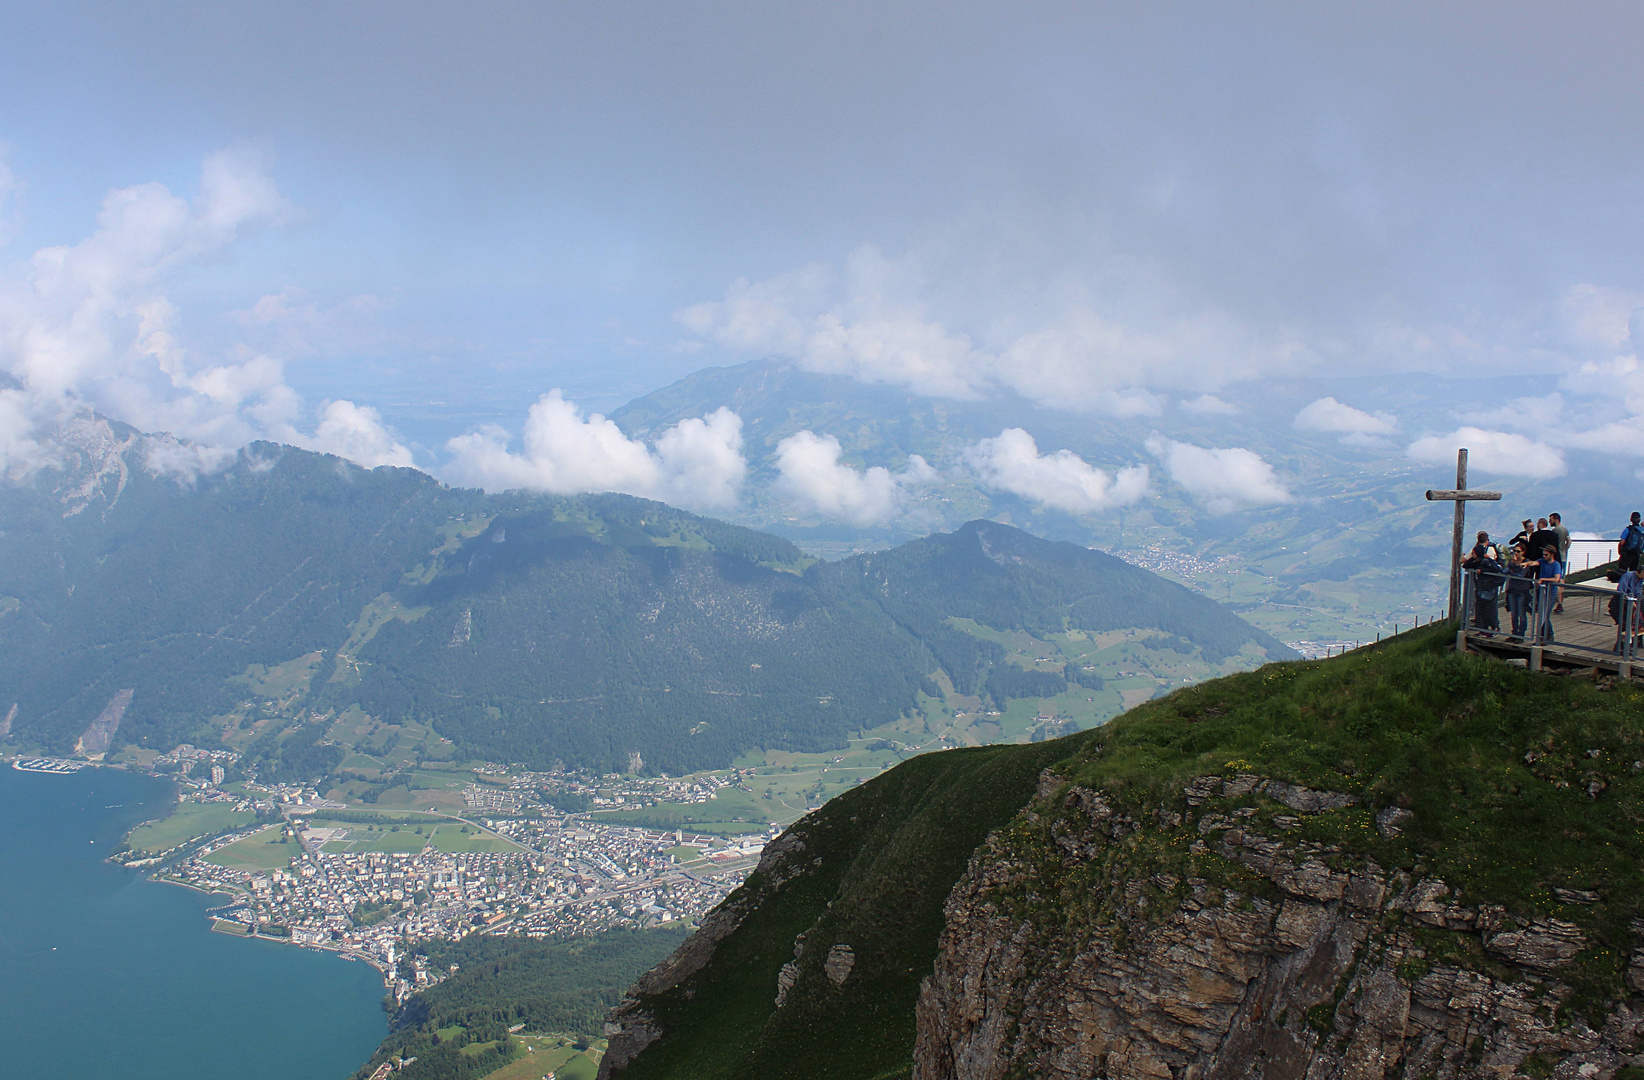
(1549, 575)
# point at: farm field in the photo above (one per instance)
(445, 834)
(266, 850)
(547, 1054)
(189, 820)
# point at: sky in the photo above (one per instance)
(301, 221)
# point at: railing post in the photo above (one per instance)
(1465, 620)
(1629, 626)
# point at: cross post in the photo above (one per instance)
(1461, 497)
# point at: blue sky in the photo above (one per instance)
(1099, 206)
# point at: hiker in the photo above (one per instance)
(1487, 575)
(1519, 589)
(1521, 539)
(1630, 545)
(1543, 538)
(1549, 575)
(1555, 525)
(1629, 593)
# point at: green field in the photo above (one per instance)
(730, 813)
(364, 837)
(267, 850)
(544, 1054)
(445, 834)
(186, 822)
(452, 838)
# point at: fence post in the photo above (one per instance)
(1629, 627)
(1464, 612)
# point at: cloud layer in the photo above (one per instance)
(90, 326)
(1062, 480)
(1222, 480)
(1355, 426)
(1497, 453)
(698, 463)
(814, 479)
(868, 320)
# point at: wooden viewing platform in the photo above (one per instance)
(1583, 635)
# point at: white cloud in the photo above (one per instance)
(1222, 480)
(815, 479)
(1500, 453)
(1063, 480)
(1522, 414)
(356, 432)
(21, 452)
(1329, 416)
(698, 463)
(88, 326)
(857, 325)
(1210, 405)
(868, 322)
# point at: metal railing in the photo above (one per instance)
(1594, 620)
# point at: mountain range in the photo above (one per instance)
(260, 603)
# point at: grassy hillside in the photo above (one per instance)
(1523, 790)
(875, 865)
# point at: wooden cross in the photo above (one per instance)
(1461, 497)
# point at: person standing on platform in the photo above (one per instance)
(1631, 544)
(1487, 582)
(1555, 525)
(1521, 539)
(1549, 576)
(1520, 587)
(1543, 538)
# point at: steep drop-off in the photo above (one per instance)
(1401, 862)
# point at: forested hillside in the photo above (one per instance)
(603, 630)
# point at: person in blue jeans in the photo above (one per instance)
(1520, 587)
(1549, 575)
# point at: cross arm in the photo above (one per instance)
(1464, 495)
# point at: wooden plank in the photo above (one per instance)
(1467, 495)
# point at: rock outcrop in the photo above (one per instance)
(1259, 955)
(631, 1028)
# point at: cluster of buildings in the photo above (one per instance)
(611, 792)
(567, 876)
(212, 763)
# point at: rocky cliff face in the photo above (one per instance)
(1249, 950)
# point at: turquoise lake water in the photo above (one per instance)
(105, 974)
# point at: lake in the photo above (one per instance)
(103, 973)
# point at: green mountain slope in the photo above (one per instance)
(260, 604)
(1262, 867)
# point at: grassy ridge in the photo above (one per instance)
(1519, 784)
(889, 854)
